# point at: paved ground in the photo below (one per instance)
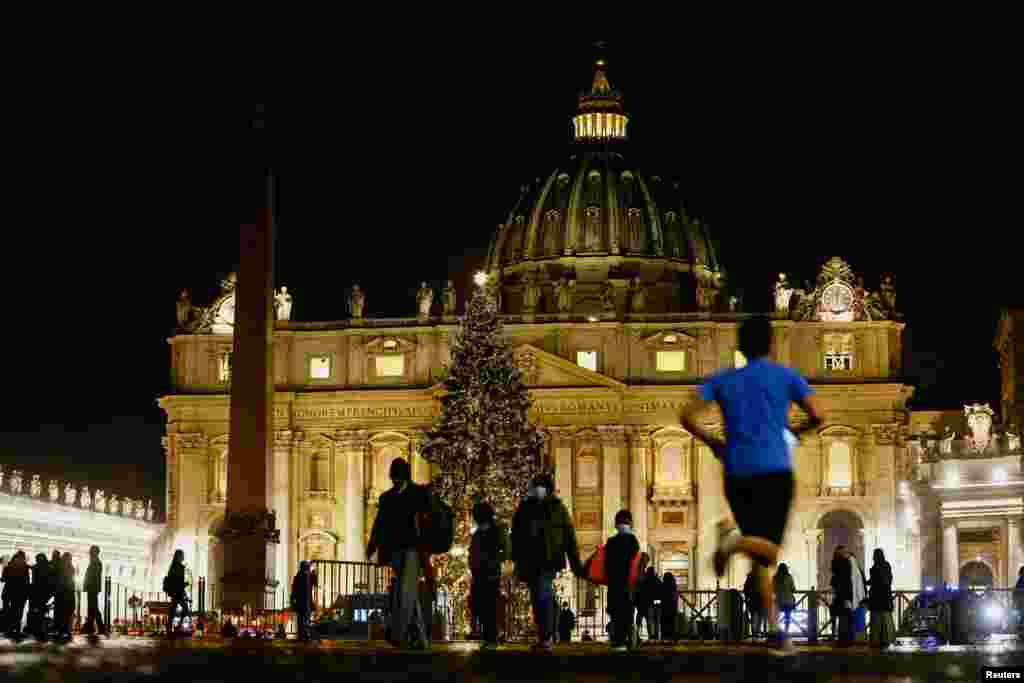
(125, 659)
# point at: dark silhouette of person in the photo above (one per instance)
(566, 623)
(67, 596)
(302, 599)
(93, 585)
(16, 589)
(41, 592)
(174, 586)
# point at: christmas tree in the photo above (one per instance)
(482, 443)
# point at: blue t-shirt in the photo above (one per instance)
(755, 403)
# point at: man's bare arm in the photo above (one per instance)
(689, 422)
(809, 405)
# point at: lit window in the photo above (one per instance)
(587, 359)
(224, 367)
(840, 465)
(671, 361)
(391, 345)
(320, 367)
(670, 338)
(739, 360)
(390, 366)
(838, 351)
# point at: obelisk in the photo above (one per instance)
(249, 530)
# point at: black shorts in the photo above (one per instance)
(760, 503)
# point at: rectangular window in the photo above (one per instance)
(224, 367)
(390, 366)
(587, 359)
(838, 351)
(671, 361)
(320, 367)
(840, 466)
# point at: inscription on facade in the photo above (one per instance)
(351, 412)
(576, 407)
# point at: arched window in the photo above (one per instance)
(840, 465)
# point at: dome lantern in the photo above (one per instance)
(600, 115)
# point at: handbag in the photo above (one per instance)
(596, 571)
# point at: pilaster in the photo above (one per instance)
(950, 553)
(639, 482)
(613, 445)
(360, 502)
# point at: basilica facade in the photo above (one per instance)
(616, 305)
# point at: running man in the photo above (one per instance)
(755, 402)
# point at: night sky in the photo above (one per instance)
(395, 165)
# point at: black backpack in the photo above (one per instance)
(439, 531)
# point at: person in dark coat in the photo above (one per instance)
(648, 603)
(842, 595)
(395, 537)
(542, 537)
(752, 596)
(883, 629)
(302, 599)
(488, 549)
(1018, 597)
(175, 587)
(67, 596)
(41, 592)
(669, 607)
(566, 623)
(93, 585)
(57, 589)
(620, 550)
(16, 591)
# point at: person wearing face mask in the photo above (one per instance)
(394, 537)
(542, 536)
(620, 550)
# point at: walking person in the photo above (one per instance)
(542, 537)
(620, 550)
(175, 587)
(648, 604)
(842, 606)
(755, 402)
(882, 629)
(669, 607)
(16, 589)
(566, 623)
(488, 550)
(302, 599)
(395, 537)
(785, 594)
(93, 584)
(755, 614)
(40, 594)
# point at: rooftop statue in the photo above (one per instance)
(36, 487)
(356, 302)
(70, 494)
(448, 299)
(638, 296)
(283, 304)
(99, 501)
(783, 294)
(979, 421)
(424, 300)
(85, 499)
(54, 490)
(16, 481)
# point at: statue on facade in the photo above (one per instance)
(734, 304)
(424, 300)
(85, 498)
(888, 292)
(99, 501)
(140, 511)
(356, 302)
(608, 297)
(531, 294)
(979, 421)
(448, 298)
(149, 511)
(70, 494)
(126, 507)
(565, 288)
(1, 477)
(15, 482)
(54, 490)
(229, 283)
(113, 505)
(638, 296)
(283, 304)
(783, 294)
(946, 442)
(36, 487)
(184, 307)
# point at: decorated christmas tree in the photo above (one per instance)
(482, 443)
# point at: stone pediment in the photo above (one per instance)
(543, 369)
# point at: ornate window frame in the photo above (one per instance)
(310, 450)
(333, 361)
(671, 340)
(853, 438)
(334, 541)
(389, 346)
(668, 492)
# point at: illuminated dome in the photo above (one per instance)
(599, 219)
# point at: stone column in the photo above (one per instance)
(1013, 550)
(613, 445)
(639, 479)
(250, 531)
(812, 539)
(352, 446)
(950, 553)
(281, 501)
(420, 467)
(561, 455)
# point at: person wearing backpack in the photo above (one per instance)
(542, 537)
(174, 586)
(620, 550)
(487, 551)
(396, 538)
